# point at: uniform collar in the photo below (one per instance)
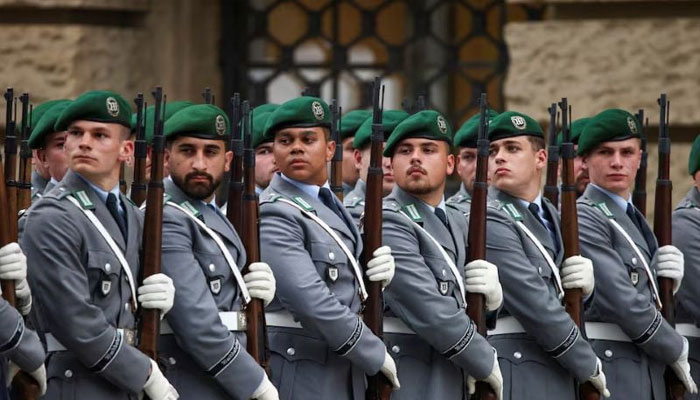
(311, 190)
(101, 193)
(619, 200)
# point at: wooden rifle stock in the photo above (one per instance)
(639, 195)
(235, 186)
(138, 185)
(24, 184)
(336, 183)
(378, 386)
(11, 165)
(551, 189)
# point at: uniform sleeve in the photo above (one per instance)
(17, 342)
(301, 290)
(59, 282)
(616, 299)
(686, 236)
(437, 319)
(195, 318)
(528, 298)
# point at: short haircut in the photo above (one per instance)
(536, 142)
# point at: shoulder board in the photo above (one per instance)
(458, 198)
(190, 208)
(512, 211)
(688, 204)
(270, 198)
(585, 200)
(412, 212)
(166, 198)
(83, 199)
(300, 201)
(357, 200)
(391, 206)
(606, 211)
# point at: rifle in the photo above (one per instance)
(24, 185)
(337, 160)
(662, 230)
(208, 97)
(378, 386)
(639, 195)
(551, 189)
(149, 319)
(235, 186)
(573, 298)
(250, 235)
(420, 104)
(477, 234)
(138, 185)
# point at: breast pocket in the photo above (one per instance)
(445, 280)
(331, 262)
(103, 271)
(216, 271)
(635, 266)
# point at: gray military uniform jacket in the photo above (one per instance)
(82, 295)
(204, 359)
(354, 201)
(328, 356)
(38, 186)
(624, 297)
(425, 295)
(552, 349)
(461, 200)
(18, 343)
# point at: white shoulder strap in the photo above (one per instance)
(224, 250)
(545, 254)
(112, 244)
(331, 232)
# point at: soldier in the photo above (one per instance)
(83, 269)
(40, 174)
(349, 124)
(355, 200)
(627, 329)
(427, 328)
(686, 236)
(47, 144)
(580, 172)
(265, 166)
(536, 339)
(320, 348)
(203, 339)
(465, 141)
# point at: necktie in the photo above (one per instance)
(441, 215)
(114, 210)
(642, 227)
(549, 225)
(328, 199)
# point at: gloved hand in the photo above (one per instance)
(577, 273)
(266, 390)
(480, 276)
(682, 368)
(157, 292)
(260, 282)
(13, 263)
(38, 374)
(24, 297)
(670, 264)
(495, 379)
(389, 370)
(598, 379)
(381, 267)
(157, 387)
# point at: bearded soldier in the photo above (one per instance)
(626, 330)
(427, 328)
(83, 269)
(540, 348)
(320, 348)
(580, 171)
(349, 124)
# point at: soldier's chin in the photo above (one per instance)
(199, 191)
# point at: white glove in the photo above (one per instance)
(670, 264)
(495, 379)
(598, 379)
(157, 387)
(389, 370)
(157, 292)
(381, 267)
(577, 273)
(24, 297)
(682, 368)
(39, 376)
(481, 276)
(13, 263)
(260, 282)
(266, 390)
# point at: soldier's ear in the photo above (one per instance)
(330, 149)
(450, 164)
(227, 164)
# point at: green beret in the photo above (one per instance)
(98, 106)
(45, 124)
(260, 116)
(170, 110)
(577, 128)
(694, 159)
(38, 111)
(608, 126)
(467, 134)
(427, 124)
(390, 120)
(204, 121)
(511, 124)
(304, 111)
(351, 122)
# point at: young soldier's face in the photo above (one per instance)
(580, 173)
(350, 172)
(466, 166)
(265, 166)
(613, 165)
(514, 164)
(53, 157)
(303, 153)
(362, 159)
(421, 165)
(96, 150)
(197, 165)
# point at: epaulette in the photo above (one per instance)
(585, 200)
(355, 201)
(391, 205)
(58, 193)
(685, 204)
(458, 198)
(493, 203)
(270, 197)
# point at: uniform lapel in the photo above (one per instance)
(556, 219)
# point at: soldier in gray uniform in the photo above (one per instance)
(427, 329)
(203, 339)
(686, 236)
(625, 326)
(83, 269)
(580, 173)
(319, 346)
(265, 166)
(349, 124)
(465, 141)
(40, 175)
(540, 349)
(47, 144)
(355, 200)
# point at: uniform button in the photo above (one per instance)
(108, 267)
(172, 361)
(291, 351)
(608, 353)
(212, 267)
(68, 374)
(395, 349)
(444, 272)
(539, 270)
(634, 260)
(331, 256)
(518, 355)
(126, 306)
